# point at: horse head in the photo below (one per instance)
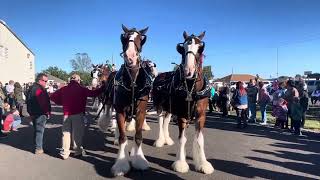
(151, 68)
(132, 41)
(191, 50)
(95, 73)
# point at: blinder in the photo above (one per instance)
(125, 41)
(201, 48)
(180, 48)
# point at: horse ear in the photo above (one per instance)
(92, 65)
(185, 35)
(202, 35)
(143, 40)
(125, 29)
(143, 31)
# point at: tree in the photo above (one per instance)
(81, 62)
(57, 72)
(207, 72)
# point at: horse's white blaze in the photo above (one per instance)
(122, 165)
(199, 157)
(131, 52)
(190, 61)
(154, 70)
(94, 82)
(181, 165)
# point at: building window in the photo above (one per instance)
(6, 53)
(1, 51)
(30, 64)
(28, 55)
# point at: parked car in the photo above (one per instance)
(312, 85)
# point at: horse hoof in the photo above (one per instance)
(159, 143)
(180, 166)
(169, 141)
(205, 168)
(121, 167)
(139, 163)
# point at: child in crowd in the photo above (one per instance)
(12, 120)
(280, 111)
(296, 115)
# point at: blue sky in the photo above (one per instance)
(241, 35)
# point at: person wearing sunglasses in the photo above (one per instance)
(39, 109)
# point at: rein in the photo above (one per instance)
(133, 85)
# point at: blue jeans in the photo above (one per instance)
(263, 109)
(16, 122)
(1, 112)
(39, 125)
(252, 111)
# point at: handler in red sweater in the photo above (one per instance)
(73, 98)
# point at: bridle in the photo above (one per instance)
(125, 42)
(181, 50)
(125, 39)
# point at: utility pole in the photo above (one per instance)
(112, 59)
(277, 62)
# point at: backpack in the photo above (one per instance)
(29, 98)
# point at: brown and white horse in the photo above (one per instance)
(130, 89)
(101, 73)
(95, 75)
(184, 93)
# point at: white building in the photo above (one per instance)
(16, 59)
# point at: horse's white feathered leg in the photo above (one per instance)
(166, 122)
(161, 140)
(122, 165)
(199, 157)
(181, 164)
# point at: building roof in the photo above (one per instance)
(235, 78)
(55, 79)
(2, 22)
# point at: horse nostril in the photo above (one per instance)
(189, 74)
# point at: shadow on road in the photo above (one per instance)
(247, 171)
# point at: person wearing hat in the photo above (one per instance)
(73, 99)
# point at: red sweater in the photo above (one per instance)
(73, 97)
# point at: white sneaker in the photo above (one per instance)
(263, 123)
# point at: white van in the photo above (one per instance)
(312, 85)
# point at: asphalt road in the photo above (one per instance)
(253, 153)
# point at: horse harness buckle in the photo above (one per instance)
(189, 97)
